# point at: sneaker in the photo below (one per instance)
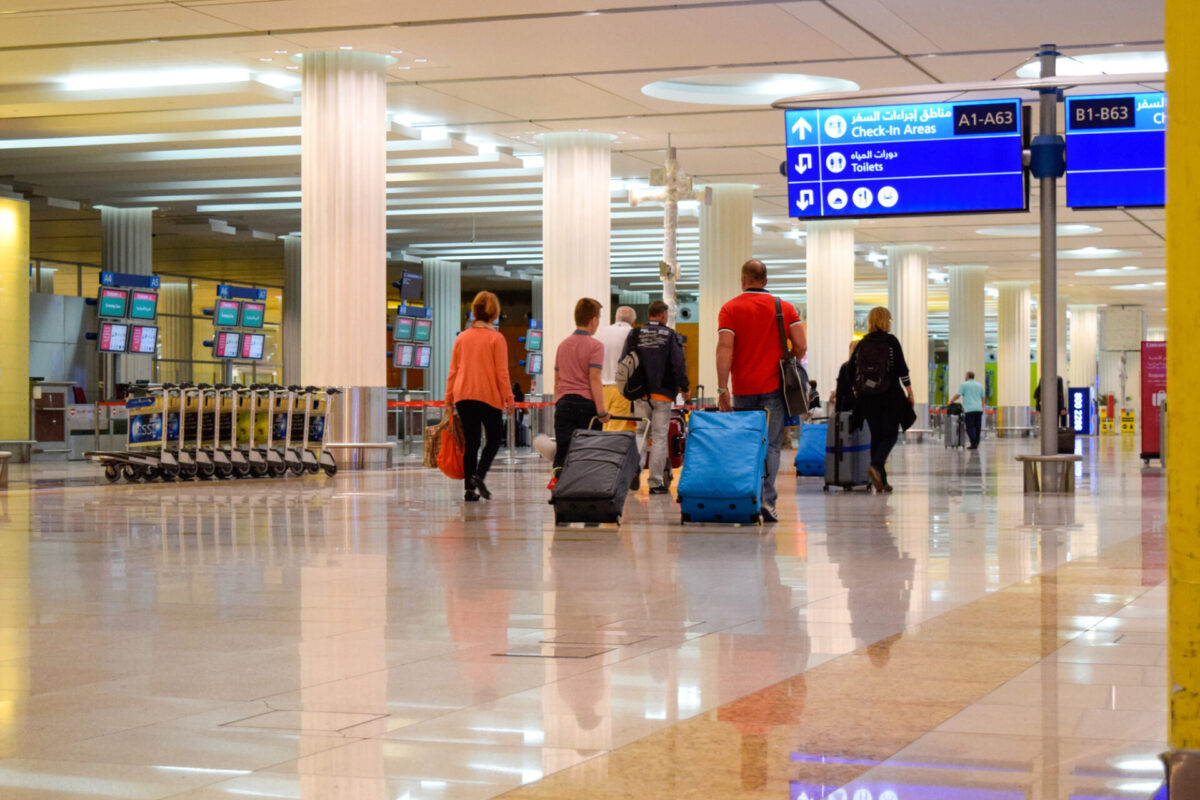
(659, 490)
(481, 487)
(767, 514)
(470, 497)
(887, 488)
(876, 479)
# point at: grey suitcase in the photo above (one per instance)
(956, 430)
(847, 453)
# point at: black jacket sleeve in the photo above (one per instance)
(679, 363)
(900, 364)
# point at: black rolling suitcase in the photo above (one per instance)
(596, 477)
(1066, 440)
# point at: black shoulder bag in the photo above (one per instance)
(793, 379)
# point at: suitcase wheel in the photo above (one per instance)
(825, 488)
(685, 518)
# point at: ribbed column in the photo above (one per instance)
(726, 242)
(576, 224)
(1012, 354)
(293, 305)
(443, 294)
(14, 319)
(343, 221)
(830, 299)
(126, 236)
(535, 306)
(1083, 346)
(966, 323)
(343, 182)
(908, 300)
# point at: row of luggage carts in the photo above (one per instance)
(203, 431)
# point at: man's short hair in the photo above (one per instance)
(970, 375)
(626, 314)
(656, 308)
(586, 310)
(755, 271)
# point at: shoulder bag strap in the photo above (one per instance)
(779, 322)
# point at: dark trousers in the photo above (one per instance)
(974, 423)
(479, 418)
(572, 412)
(883, 439)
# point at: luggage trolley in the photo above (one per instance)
(148, 454)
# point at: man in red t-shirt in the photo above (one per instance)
(748, 347)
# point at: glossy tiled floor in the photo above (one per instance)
(368, 637)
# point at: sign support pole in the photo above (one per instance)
(1048, 331)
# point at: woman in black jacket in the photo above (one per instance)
(880, 385)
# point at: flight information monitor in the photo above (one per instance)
(533, 339)
(1116, 150)
(112, 302)
(253, 314)
(143, 339)
(533, 364)
(422, 330)
(927, 158)
(402, 356)
(226, 313)
(113, 337)
(252, 345)
(227, 344)
(422, 356)
(143, 304)
(402, 329)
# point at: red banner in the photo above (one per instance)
(1154, 392)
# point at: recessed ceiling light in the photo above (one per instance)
(266, 58)
(281, 52)
(742, 88)
(396, 52)
(153, 78)
(404, 67)
(420, 60)
(1121, 272)
(291, 66)
(1123, 63)
(345, 47)
(1095, 252)
(1070, 229)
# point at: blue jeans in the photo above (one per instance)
(773, 403)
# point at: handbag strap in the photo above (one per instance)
(779, 323)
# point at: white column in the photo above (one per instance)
(576, 226)
(127, 236)
(343, 219)
(726, 242)
(443, 294)
(966, 324)
(1083, 346)
(908, 300)
(1121, 334)
(830, 299)
(1012, 354)
(293, 305)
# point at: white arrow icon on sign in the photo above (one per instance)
(806, 200)
(802, 126)
(803, 163)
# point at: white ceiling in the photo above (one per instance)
(495, 75)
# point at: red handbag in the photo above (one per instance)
(450, 456)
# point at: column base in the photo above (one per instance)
(359, 416)
(1014, 421)
(1183, 773)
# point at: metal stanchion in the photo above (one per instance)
(511, 458)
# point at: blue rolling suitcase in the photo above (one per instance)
(723, 468)
(810, 451)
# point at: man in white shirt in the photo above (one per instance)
(613, 338)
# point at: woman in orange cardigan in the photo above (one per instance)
(478, 387)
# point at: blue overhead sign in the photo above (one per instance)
(1116, 150)
(927, 158)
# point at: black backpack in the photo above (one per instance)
(874, 371)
